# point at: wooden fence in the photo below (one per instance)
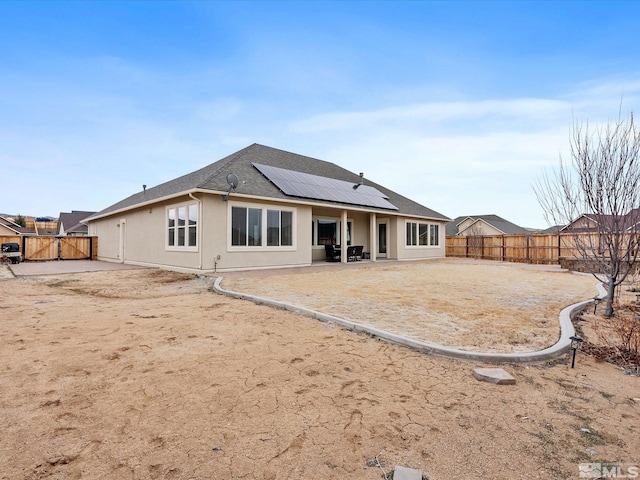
(55, 248)
(545, 249)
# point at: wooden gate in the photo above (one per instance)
(72, 248)
(40, 248)
(55, 248)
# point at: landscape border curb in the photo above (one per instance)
(541, 356)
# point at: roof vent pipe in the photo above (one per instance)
(361, 181)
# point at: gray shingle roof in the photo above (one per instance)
(252, 182)
(500, 223)
(72, 221)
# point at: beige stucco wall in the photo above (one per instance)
(404, 252)
(108, 233)
(259, 257)
(481, 228)
(139, 237)
(465, 224)
(143, 235)
(6, 231)
(144, 232)
(582, 223)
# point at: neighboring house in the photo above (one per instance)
(588, 222)
(71, 225)
(284, 210)
(8, 227)
(476, 225)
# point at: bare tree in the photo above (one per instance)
(601, 189)
(475, 239)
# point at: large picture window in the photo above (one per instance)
(422, 234)
(249, 228)
(182, 226)
(329, 232)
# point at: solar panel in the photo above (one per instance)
(305, 185)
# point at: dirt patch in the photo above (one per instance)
(150, 375)
(488, 307)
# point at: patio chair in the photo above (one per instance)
(332, 254)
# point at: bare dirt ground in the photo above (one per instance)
(475, 306)
(147, 374)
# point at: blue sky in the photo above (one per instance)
(457, 105)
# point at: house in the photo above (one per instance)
(264, 208)
(9, 227)
(477, 225)
(590, 222)
(70, 223)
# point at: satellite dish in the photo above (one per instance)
(232, 180)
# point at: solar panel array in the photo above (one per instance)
(305, 185)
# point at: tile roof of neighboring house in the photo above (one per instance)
(15, 227)
(252, 182)
(505, 226)
(71, 222)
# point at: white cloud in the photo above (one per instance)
(429, 114)
(456, 157)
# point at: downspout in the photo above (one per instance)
(200, 245)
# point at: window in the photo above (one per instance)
(411, 233)
(329, 232)
(182, 226)
(279, 228)
(248, 229)
(254, 229)
(434, 235)
(238, 226)
(422, 234)
(171, 213)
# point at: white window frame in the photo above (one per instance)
(187, 247)
(263, 227)
(417, 227)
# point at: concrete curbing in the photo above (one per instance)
(541, 356)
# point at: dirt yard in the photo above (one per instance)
(475, 306)
(148, 374)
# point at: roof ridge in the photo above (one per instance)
(223, 162)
